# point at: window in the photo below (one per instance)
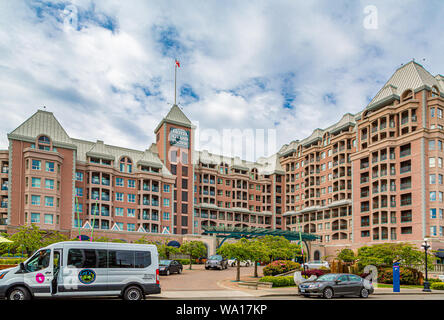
(49, 166)
(49, 184)
(79, 207)
(432, 179)
(38, 261)
(131, 198)
(79, 176)
(131, 213)
(184, 157)
(166, 202)
(36, 164)
(119, 196)
(433, 230)
(166, 188)
(432, 195)
(432, 112)
(184, 183)
(431, 144)
(35, 200)
(121, 259)
(87, 258)
(432, 162)
(49, 219)
(35, 182)
(166, 216)
(131, 227)
(433, 213)
(131, 183)
(126, 162)
(35, 217)
(79, 192)
(119, 212)
(49, 201)
(119, 182)
(120, 224)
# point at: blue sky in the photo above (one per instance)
(106, 68)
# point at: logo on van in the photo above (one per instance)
(87, 276)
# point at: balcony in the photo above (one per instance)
(155, 189)
(404, 120)
(404, 153)
(105, 212)
(405, 169)
(364, 165)
(146, 202)
(4, 205)
(105, 182)
(95, 180)
(5, 187)
(406, 185)
(406, 202)
(105, 197)
(5, 170)
(155, 203)
(146, 187)
(155, 217)
(3, 222)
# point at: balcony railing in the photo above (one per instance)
(405, 153)
(105, 182)
(405, 169)
(4, 187)
(4, 204)
(95, 180)
(5, 170)
(155, 203)
(3, 222)
(155, 189)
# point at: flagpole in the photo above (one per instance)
(175, 78)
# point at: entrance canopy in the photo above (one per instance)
(237, 233)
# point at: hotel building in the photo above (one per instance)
(372, 177)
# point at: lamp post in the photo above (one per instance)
(426, 246)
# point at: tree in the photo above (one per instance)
(27, 239)
(279, 247)
(194, 249)
(258, 252)
(145, 240)
(386, 253)
(346, 255)
(166, 251)
(240, 250)
(51, 237)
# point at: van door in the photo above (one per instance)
(38, 273)
(57, 265)
(85, 272)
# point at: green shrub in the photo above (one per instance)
(279, 281)
(279, 267)
(186, 261)
(433, 280)
(407, 275)
(437, 286)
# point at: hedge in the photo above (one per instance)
(186, 261)
(12, 261)
(279, 267)
(437, 286)
(279, 281)
(407, 275)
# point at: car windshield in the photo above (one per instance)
(216, 258)
(327, 277)
(164, 262)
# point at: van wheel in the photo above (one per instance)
(19, 293)
(133, 293)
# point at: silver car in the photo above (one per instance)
(216, 262)
(315, 264)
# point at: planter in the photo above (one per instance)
(6, 266)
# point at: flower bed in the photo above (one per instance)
(279, 267)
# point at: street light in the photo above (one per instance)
(426, 246)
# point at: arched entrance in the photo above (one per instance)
(317, 255)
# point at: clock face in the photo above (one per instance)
(179, 138)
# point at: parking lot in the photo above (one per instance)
(200, 279)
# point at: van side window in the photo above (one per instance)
(143, 259)
(87, 258)
(121, 259)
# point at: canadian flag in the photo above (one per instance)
(177, 63)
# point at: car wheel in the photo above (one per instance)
(327, 293)
(133, 293)
(206, 268)
(19, 293)
(364, 293)
(168, 272)
(247, 264)
(233, 264)
(180, 271)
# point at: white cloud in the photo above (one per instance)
(242, 59)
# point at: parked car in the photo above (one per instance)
(167, 267)
(233, 263)
(216, 262)
(315, 264)
(337, 284)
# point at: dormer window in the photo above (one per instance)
(126, 165)
(407, 95)
(435, 92)
(44, 143)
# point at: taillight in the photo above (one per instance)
(157, 276)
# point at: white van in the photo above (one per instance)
(83, 268)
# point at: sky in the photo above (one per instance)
(106, 68)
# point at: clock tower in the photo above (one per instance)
(174, 141)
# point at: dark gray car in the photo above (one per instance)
(216, 262)
(335, 285)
